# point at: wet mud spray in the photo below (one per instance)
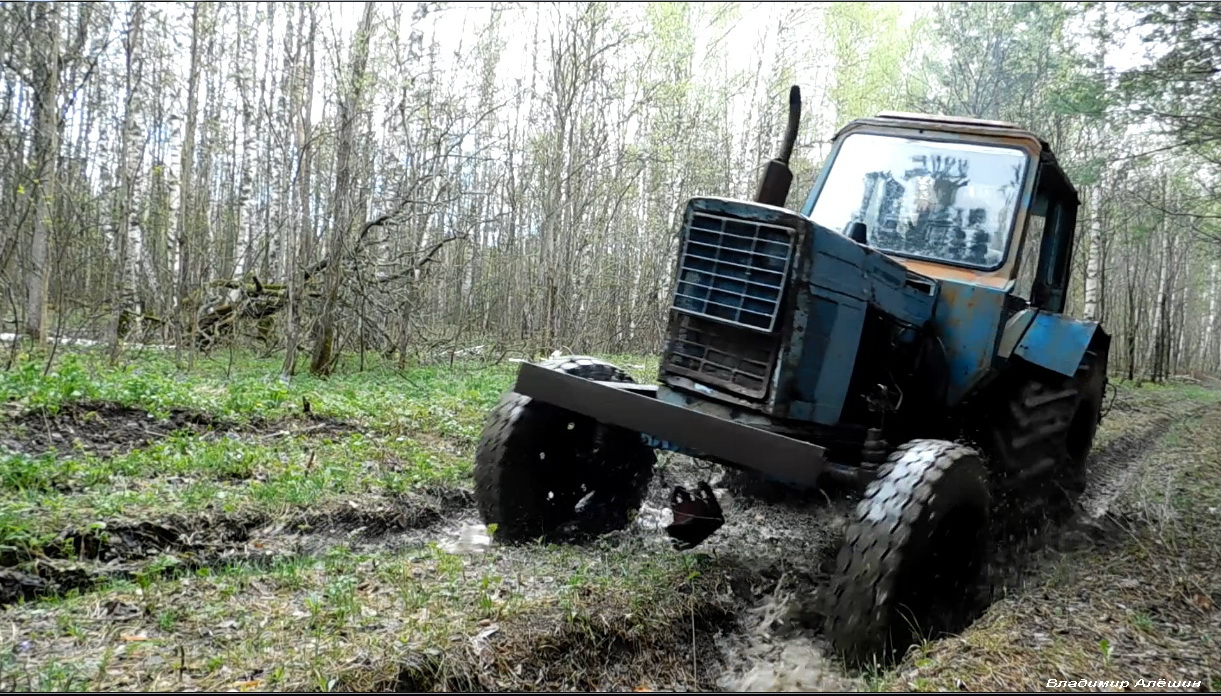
(775, 643)
(787, 543)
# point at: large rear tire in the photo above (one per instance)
(914, 553)
(543, 472)
(1037, 431)
(1091, 383)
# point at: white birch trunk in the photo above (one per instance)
(1093, 267)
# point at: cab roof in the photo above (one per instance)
(909, 116)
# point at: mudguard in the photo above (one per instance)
(1052, 341)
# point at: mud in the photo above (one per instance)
(546, 653)
(108, 429)
(81, 559)
(1111, 470)
(775, 555)
(788, 542)
(1111, 466)
(778, 545)
(776, 552)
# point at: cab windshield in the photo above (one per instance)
(941, 201)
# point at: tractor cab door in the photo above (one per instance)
(1047, 246)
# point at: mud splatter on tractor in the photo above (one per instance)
(912, 305)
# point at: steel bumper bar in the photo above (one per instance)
(636, 408)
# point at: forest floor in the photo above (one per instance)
(220, 530)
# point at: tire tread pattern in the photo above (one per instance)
(509, 475)
(880, 535)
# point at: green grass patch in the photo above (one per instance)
(351, 620)
(43, 496)
(343, 614)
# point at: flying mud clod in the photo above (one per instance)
(696, 515)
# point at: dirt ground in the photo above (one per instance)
(107, 429)
(369, 589)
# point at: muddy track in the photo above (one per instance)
(82, 559)
(109, 429)
(1111, 466)
(760, 631)
(789, 545)
(1111, 469)
(776, 550)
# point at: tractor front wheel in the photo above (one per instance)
(914, 554)
(543, 472)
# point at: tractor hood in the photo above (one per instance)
(769, 308)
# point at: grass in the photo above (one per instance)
(434, 398)
(260, 548)
(411, 428)
(448, 400)
(200, 531)
(349, 620)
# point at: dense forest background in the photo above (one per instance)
(414, 179)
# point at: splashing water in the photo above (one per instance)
(472, 538)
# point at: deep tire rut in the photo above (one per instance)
(1112, 467)
(83, 559)
(109, 429)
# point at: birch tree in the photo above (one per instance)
(345, 211)
(127, 224)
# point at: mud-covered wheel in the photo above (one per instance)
(914, 554)
(1090, 382)
(543, 472)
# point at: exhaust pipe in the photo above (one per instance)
(777, 177)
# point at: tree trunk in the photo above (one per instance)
(1208, 350)
(46, 156)
(300, 243)
(125, 262)
(323, 359)
(186, 209)
(1159, 332)
(1093, 268)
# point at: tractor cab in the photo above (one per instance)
(967, 200)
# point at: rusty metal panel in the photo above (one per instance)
(969, 319)
(727, 356)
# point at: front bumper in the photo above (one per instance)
(636, 408)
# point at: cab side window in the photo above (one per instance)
(1028, 257)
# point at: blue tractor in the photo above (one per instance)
(902, 334)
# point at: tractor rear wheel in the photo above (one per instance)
(914, 553)
(1091, 382)
(543, 472)
(1038, 436)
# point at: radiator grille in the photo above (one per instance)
(736, 359)
(733, 270)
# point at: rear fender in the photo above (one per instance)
(1052, 341)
